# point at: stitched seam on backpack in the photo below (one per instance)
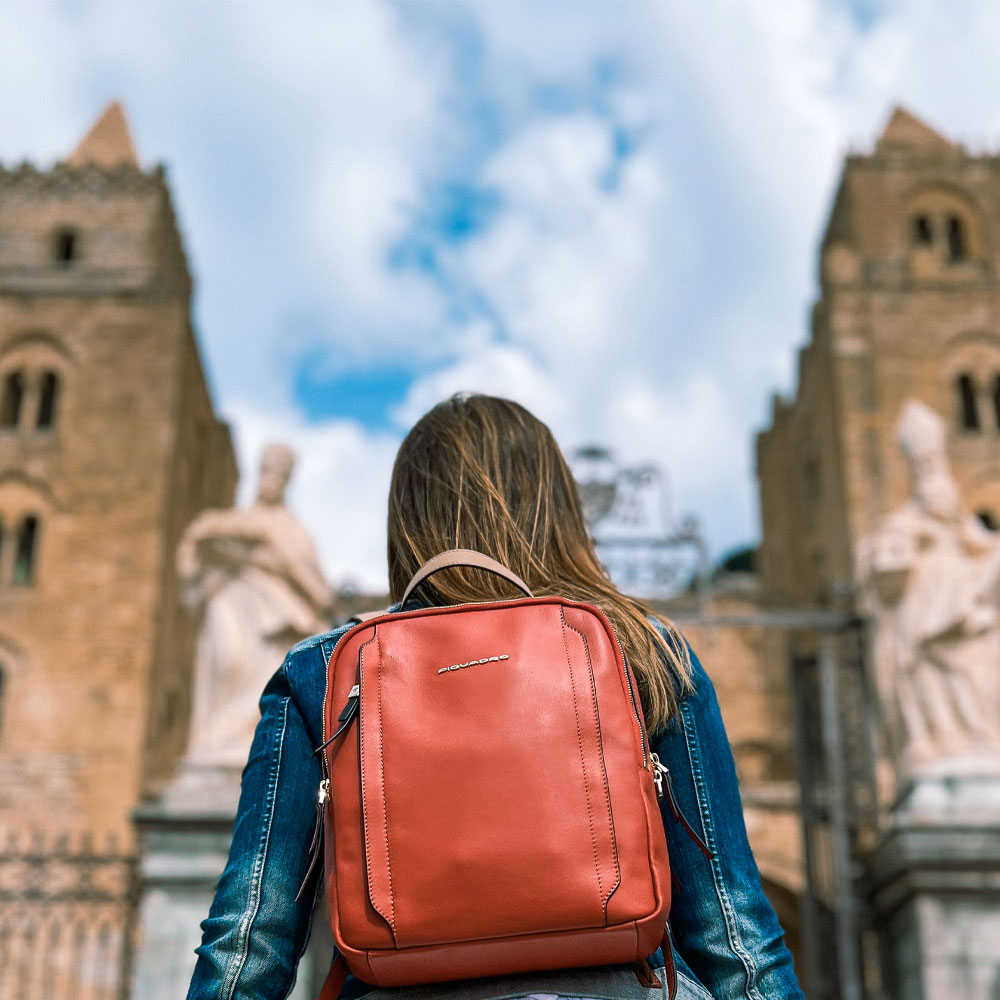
(385, 807)
(260, 862)
(583, 763)
(364, 800)
(708, 829)
(604, 767)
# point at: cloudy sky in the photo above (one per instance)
(608, 211)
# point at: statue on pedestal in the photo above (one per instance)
(254, 574)
(931, 581)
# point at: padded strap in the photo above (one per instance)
(648, 979)
(668, 963)
(366, 616)
(335, 979)
(463, 557)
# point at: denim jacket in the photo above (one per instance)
(727, 942)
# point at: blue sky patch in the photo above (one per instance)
(413, 252)
(865, 13)
(461, 211)
(623, 145)
(365, 394)
(451, 213)
(455, 211)
(595, 92)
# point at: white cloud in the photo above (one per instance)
(297, 138)
(565, 263)
(654, 314)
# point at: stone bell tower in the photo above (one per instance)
(109, 444)
(871, 482)
(909, 308)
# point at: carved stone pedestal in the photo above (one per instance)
(183, 845)
(936, 893)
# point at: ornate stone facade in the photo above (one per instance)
(747, 657)
(109, 446)
(910, 296)
(880, 494)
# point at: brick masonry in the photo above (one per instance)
(96, 651)
(910, 301)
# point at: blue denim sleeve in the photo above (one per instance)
(724, 928)
(255, 931)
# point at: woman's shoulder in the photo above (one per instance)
(674, 637)
(313, 642)
(672, 634)
(306, 662)
(316, 649)
(681, 647)
(303, 675)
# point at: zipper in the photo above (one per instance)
(664, 783)
(322, 795)
(635, 708)
(316, 846)
(345, 718)
(631, 690)
(659, 773)
(325, 742)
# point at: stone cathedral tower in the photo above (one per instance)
(109, 444)
(909, 308)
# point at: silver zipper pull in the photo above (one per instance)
(316, 847)
(659, 773)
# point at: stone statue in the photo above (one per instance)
(931, 581)
(255, 575)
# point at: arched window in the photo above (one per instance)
(967, 402)
(923, 235)
(66, 247)
(987, 519)
(24, 554)
(10, 405)
(956, 239)
(812, 486)
(47, 400)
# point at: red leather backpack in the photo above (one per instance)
(490, 799)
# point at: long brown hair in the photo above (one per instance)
(479, 472)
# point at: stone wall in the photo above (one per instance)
(906, 307)
(94, 649)
(748, 664)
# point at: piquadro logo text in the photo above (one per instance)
(472, 663)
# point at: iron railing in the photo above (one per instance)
(67, 909)
(834, 706)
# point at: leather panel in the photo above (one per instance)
(491, 829)
(351, 914)
(633, 795)
(378, 865)
(585, 824)
(472, 959)
(592, 763)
